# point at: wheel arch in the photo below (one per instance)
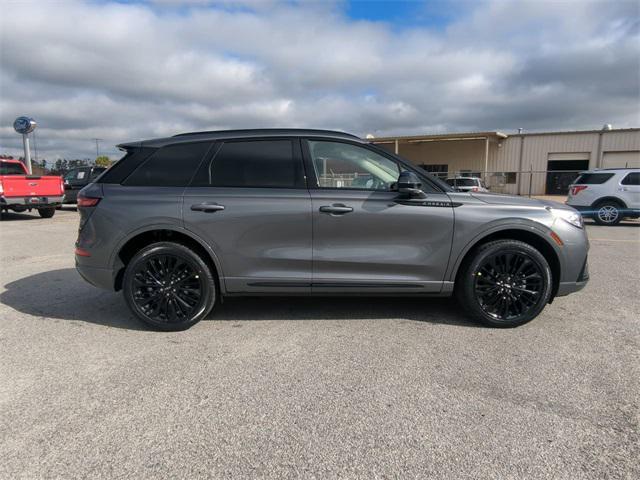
(528, 236)
(164, 233)
(609, 199)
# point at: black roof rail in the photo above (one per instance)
(284, 131)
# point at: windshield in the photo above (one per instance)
(10, 168)
(462, 182)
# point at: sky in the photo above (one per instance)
(125, 71)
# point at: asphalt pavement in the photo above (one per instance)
(313, 387)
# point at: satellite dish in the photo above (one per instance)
(24, 125)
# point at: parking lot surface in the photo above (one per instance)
(313, 387)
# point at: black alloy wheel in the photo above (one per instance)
(169, 286)
(508, 285)
(505, 284)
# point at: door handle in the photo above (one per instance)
(207, 207)
(336, 209)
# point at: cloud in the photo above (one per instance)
(130, 71)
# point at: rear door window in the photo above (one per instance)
(254, 164)
(170, 166)
(632, 178)
(592, 178)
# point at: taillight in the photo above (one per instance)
(577, 189)
(61, 185)
(474, 189)
(1, 188)
(87, 201)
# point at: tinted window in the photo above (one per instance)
(593, 178)
(341, 165)
(7, 168)
(632, 179)
(170, 166)
(255, 163)
(120, 170)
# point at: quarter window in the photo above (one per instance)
(342, 165)
(170, 166)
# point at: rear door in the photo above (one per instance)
(365, 238)
(249, 201)
(630, 189)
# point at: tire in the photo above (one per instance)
(504, 283)
(608, 213)
(144, 290)
(47, 212)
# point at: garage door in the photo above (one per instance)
(621, 159)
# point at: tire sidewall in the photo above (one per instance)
(469, 296)
(186, 254)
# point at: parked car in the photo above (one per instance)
(78, 178)
(467, 184)
(182, 222)
(607, 195)
(20, 191)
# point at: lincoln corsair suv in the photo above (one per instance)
(180, 223)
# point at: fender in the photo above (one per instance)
(117, 264)
(539, 229)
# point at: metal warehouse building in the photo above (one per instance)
(522, 163)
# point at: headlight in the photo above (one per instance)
(569, 216)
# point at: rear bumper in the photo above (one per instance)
(98, 277)
(31, 202)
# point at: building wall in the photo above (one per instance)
(538, 149)
(522, 153)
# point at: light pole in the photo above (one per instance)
(98, 140)
(24, 126)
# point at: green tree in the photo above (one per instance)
(103, 161)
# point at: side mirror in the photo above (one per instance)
(410, 185)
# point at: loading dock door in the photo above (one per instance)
(621, 159)
(560, 174)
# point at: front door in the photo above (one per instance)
(364, 238)
(251, 204)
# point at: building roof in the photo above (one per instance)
(482, 135)
(440, 136)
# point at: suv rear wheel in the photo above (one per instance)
(608, 213)
(506, 283)
(169, 286)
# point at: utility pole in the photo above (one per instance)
(98, 140)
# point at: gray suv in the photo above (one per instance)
(180, 223)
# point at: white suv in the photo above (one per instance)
(607, 195)
(467, 184)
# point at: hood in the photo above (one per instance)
(500, 199)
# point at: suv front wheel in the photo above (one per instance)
(506, 283)
(169, 286)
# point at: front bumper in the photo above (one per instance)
(566, 288)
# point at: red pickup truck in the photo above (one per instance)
(20, 191)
